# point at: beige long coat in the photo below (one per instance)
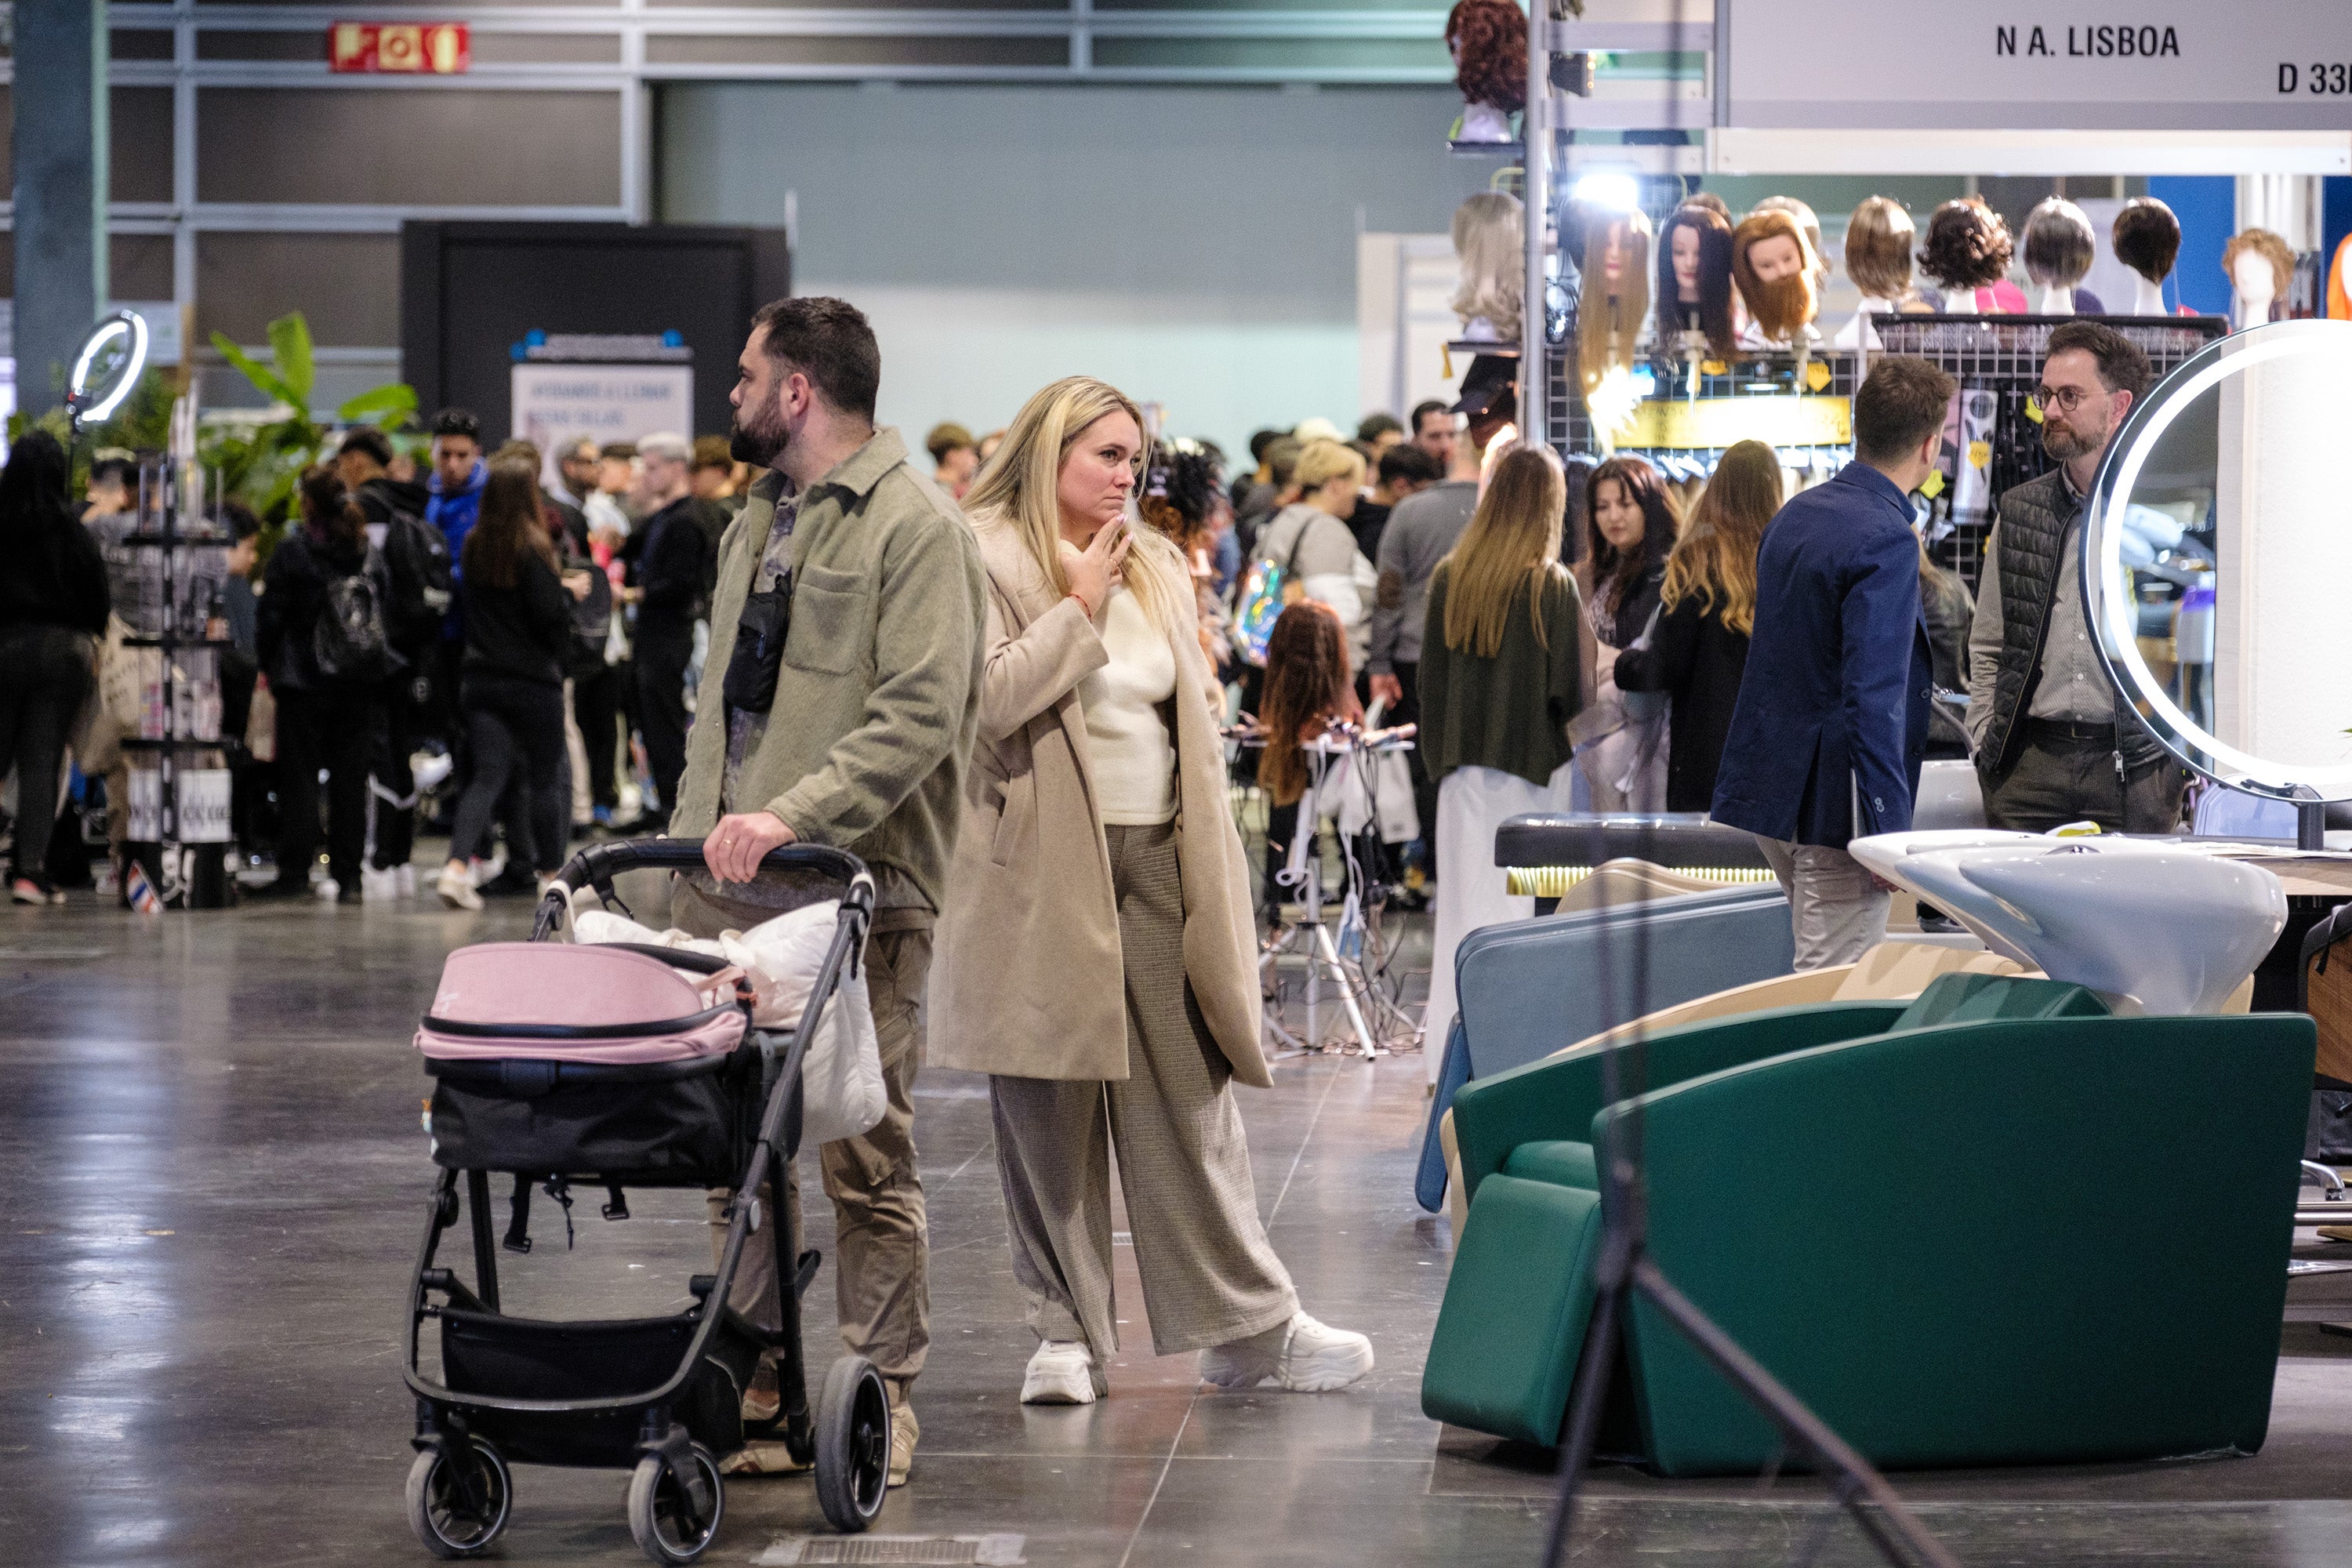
(1027, 980)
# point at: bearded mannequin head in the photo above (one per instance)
(1616, 293)
(1774, 266)
(1695, 276)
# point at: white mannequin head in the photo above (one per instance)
(2253, 277)
(2260, 265)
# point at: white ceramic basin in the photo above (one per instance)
(2149, 925)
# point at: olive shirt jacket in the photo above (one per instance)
(1028, 980)
(876, 695)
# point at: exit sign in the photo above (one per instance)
(424, 48)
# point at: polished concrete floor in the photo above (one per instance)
(211, 1189)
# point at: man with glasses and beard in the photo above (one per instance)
(838, 705)
(2054, 740)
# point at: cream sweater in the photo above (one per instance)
(1134, 762)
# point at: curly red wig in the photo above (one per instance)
(1489, 40)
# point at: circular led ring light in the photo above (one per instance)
(127, 324)
(2113, 609)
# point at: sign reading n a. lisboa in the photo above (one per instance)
(2086, 65)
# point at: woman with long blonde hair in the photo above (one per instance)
(1709, 608)
(1100, 965)
(1501, 676)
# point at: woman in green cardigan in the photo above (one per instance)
(1500, 679)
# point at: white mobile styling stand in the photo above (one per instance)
(1339, 760)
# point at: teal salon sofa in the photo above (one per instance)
(1993, 1225)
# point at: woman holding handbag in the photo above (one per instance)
(1098, 960)
(1501, 678)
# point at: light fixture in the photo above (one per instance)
(89, 405)
(1608, 190)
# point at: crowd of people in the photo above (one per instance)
(1022, 686)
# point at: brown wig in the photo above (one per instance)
(509, 528)
(328, 510)
(1785, 304)
(1715, 559)
(1714, 232)
(1615, 572)
(1878, 240)
(2060, 243)
(1489, 40)
(1512, 542)
(1967, 244)
(1711, 203)
(2147, 238)
(1606, 323)
(1306, 682)
(2272, 248)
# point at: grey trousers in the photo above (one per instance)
(1210, 1275)
(880, 1279)
(1836, 909)
(2048, 787)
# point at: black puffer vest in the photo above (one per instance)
(2035, 517)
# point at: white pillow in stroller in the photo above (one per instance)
(843, 1094)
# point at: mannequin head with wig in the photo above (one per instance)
(1773, 263)
(1695, 272)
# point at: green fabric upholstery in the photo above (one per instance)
(2062, 1240)
(1919, 1231)
(1508, 1337)
(1557, 1098)
(1985, 999)
(1562, 1162)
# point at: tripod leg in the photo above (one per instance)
(1347, 993)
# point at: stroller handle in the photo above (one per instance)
(597, 865)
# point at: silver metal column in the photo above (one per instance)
(59, 104)
(1536, 134)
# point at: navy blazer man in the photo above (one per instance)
(1832, 709)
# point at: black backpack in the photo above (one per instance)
(416, 564)
(349, 642)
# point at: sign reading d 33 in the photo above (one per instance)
(428, 48)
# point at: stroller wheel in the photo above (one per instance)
(853, 1444)
(674, 1522)
(457, 1503)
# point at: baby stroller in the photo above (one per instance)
(624, 1067)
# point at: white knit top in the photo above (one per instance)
(1134, 762)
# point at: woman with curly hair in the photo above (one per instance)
(1184, 501)
(1966, 255)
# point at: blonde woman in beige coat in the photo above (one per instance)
(1097, 956)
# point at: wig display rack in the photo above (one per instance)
(170, 572)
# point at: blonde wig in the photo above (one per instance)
(1489, 241)
(1320, 462)
(1513, 541)
(1607, 323)
(2272, 248)
(1019, 488)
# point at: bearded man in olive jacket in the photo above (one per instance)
(838, 705)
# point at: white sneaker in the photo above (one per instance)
(405, 879)
(1301, 1356)
(1062, 1372)
(456, 890)
(490, 870)
(427, 768)
(328, 889)
(379, 886)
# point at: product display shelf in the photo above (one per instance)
(178, 840)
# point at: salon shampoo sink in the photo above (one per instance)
(2152, 926)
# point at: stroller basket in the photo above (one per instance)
(486, 1353)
